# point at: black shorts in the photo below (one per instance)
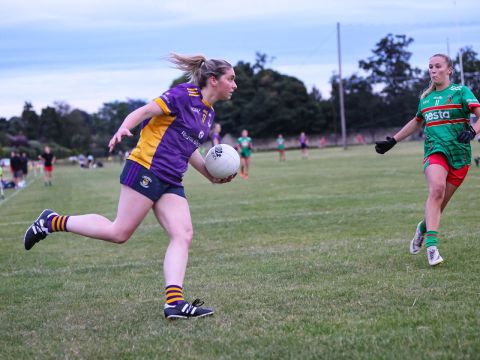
(145, 182)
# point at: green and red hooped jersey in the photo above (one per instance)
(245, 144)
(446, 114)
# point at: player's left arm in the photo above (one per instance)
(476, 112)
(469, 134)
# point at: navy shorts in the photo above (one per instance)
(145, 182)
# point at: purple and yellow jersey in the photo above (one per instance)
(446, 114)
(167, 141)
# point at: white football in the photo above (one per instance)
(222, 160)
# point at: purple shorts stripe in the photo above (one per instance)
(132, 173)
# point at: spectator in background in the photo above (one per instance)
(360, 139)
(322, 142)
(120, 157)
(24, 162)
(90, 161)
(2, 195)
(16, 168)
(48, 160)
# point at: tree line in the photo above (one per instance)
(266, 103)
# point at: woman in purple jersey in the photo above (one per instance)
(216, 138)
(445, 110)
(174, 125)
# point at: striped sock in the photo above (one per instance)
(57, 223)
(174, 294)
(431, 238)
(423, 226)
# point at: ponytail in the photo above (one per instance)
(198, 69)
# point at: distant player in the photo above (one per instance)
(445, 109)
(48, 160)
(281, 147)
(174, 125)
(216, 138)
(2, 194)
(244, 147)
(303, 140)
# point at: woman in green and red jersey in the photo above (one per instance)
(445, 110)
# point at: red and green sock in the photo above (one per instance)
(431, 238)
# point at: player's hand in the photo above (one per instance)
(466, 136)
(382, 147)
(118, 137)
(223, 181)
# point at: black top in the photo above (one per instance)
(47, 158)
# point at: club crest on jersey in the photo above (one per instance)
(449, 99)
(204, 116)
(145, 182)
(201, 134)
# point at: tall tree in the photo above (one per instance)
(50, 125)
(390, 67)
(31, 121)
(471, 69)
(364, 108)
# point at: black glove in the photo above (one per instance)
(382, 147)
(467, 135)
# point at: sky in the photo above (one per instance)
(90, 52)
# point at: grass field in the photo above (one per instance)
(307, 259)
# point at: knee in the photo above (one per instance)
(121, 236)
(184, 237)
(437, 192)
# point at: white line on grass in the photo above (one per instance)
(3, 202)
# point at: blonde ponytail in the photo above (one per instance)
(428, 90)
(198, 69)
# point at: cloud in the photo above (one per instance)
(83, 89)
(152, 13)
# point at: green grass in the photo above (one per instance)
(307, 259)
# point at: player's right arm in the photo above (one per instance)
(197, 161)
(408, 129)
(132, 120)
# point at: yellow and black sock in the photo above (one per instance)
(57, 223)
(174, 294)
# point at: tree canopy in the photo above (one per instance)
(384, 93)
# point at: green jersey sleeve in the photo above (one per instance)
(469, 101)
